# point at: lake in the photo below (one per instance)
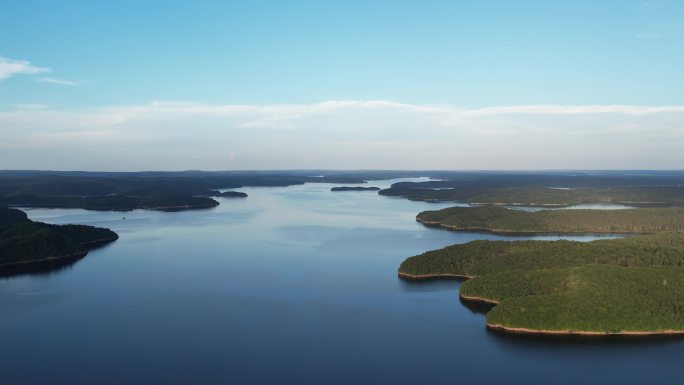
(291, 285)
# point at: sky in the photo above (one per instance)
(237, 85)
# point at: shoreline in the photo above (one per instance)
(521, 232)
(474, 299)
(528, 331)
(127, 209)
(43, 260)
(78, 255)
(419, 277)
(539, 332)
(547, 332)
(100, 241)
(630, 204)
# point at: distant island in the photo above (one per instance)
(355, 188)
(233, 194)
(625, 286)
(24, 242)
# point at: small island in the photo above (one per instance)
(25, 242)
(232, 194)
(355, 188)
(624, 286)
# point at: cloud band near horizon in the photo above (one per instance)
(371, 134)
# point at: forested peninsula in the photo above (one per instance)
(502, 220)
(163, 191)
(24, 242)
(626, 286)
(557, 189)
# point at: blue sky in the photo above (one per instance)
(70, 61)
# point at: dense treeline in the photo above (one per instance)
(551, 188)
(462, 194)
(110, 202)
(551, 179)
(632, 284)
(147, 184)
(24, 241)
(634, 195)
(499, 219)
(9, 217)
(648, 196)
(61, 189)
(487, 257)
(627, 284)
(600, 298)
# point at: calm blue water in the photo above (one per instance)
(292, 285)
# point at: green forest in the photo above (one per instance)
(631, 284)
(598, 298)
(487, 257)
(638, 196)
(111, 202)
(548, 189)
(503, 220)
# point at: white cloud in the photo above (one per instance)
(9, 68)
(343, 134)
(58, 81)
